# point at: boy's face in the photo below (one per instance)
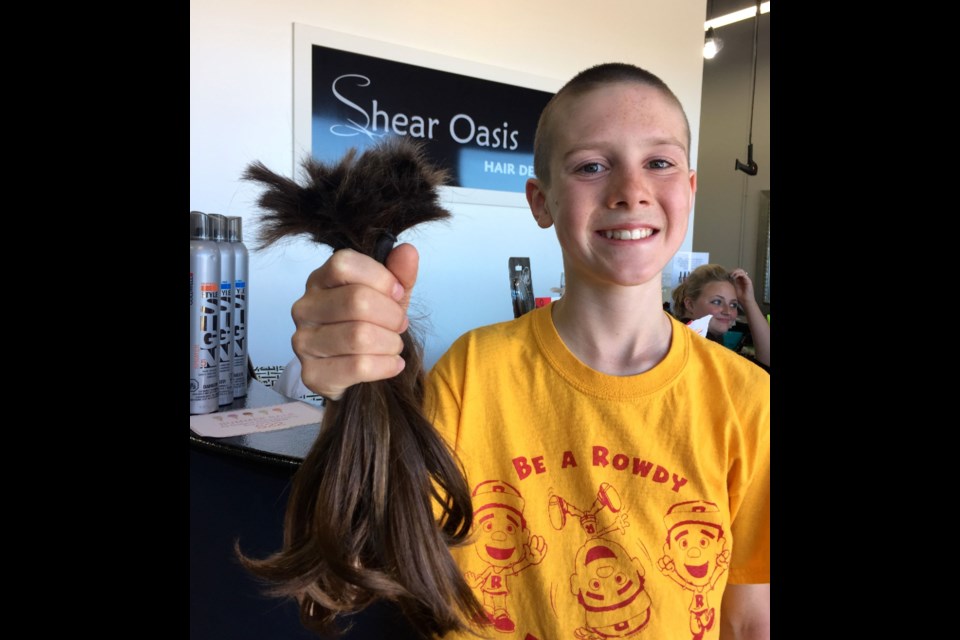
(621, 188)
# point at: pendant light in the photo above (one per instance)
(712, 44)
(750, 168)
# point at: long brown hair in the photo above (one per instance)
(360, 523)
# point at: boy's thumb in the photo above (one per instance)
(404, 262)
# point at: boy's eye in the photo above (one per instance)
(591, 167)
(660, 164)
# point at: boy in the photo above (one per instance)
(599, 398)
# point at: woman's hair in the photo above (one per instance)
(584, 82)
(693, 285)
(360, 522)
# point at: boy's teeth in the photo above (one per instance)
(627, 234)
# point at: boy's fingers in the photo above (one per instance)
(347, 266)
(345, 339)
(349, 303)
(349, 319)
(347, 371)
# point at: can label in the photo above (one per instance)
(205, 378)
(226, 343)
(240, 338)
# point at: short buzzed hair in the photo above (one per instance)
(584, 82)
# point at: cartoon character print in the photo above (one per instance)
(695, 556)
(607, 581)
(503, 541)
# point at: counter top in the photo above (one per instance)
(287, 447)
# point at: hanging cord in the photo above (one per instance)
(750, 168)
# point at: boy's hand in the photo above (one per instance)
(350, 318)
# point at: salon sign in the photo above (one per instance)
(479, 130)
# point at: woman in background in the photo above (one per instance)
(710, 290)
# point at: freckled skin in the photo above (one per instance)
(619, 162)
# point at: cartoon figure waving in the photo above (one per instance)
(503, 542)
(694, 556)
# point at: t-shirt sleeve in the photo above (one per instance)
(442, 396)
(750, 504)
(441, 405)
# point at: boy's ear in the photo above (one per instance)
(537, 199)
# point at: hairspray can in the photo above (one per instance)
(204, 316)
(219, 229)
(241, 265)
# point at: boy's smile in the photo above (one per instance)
(621, 187)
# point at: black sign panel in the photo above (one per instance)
(481, 131)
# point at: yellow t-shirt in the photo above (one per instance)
(605, 505)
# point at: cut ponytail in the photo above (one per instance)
(360, 522)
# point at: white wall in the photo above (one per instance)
(241, 110)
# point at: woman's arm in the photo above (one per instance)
(759, 328)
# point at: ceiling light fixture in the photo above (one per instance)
(736, 16)
(712, 45)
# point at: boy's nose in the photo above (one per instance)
(628, 188)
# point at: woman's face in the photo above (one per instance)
(718, 299)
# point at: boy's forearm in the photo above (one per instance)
(745, 612)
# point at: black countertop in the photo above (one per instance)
(286, 447)
(232, 500)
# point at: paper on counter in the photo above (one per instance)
(701, 325)
(238, 422)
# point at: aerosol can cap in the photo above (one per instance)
(199, 226)
(218, 226)
(235, 231)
